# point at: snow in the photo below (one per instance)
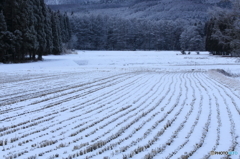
(160, 103)
(126, 59)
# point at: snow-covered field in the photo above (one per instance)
(133, 104)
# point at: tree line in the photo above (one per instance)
(220, 34)
(223, 31)
(29, 29)
(114, 33)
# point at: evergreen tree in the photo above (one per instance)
(40, 14)
(3, 30)
(30, 38)
(59, 26)
(10, 9)
(67, 27)
(57, 40)
(18, 45)
(48, 32)
(7, 45)
(2, 5)
(3, 25)
(30, 42)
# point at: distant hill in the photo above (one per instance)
(140, 9)
(57, 2)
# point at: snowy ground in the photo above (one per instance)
(131, 104)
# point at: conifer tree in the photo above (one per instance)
(7, 40)
(40, 12)
(3, 29)
(48, 32)
(3, 25)
(68, 27)
(30, 39)
(57, 48)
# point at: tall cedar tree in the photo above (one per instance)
(3, 29)
(57, 38)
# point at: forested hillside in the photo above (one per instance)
(141, 9)
(114, 33)
(29, 29)
(138, 24)
(150, 25)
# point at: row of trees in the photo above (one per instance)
(220, 36)
(113, 33)
(223, 31)
(29, 29)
